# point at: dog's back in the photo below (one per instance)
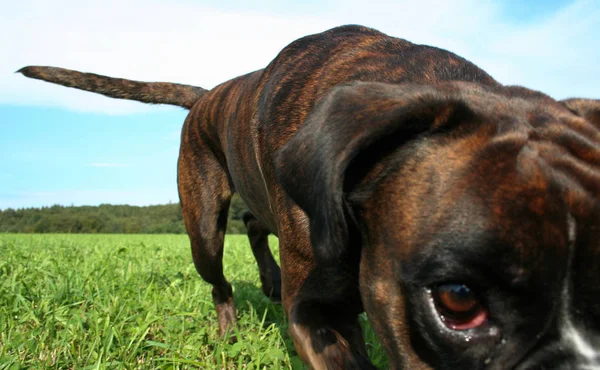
(308, 68)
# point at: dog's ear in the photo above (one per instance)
(349, 120)
(586, 108)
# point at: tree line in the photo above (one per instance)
(106, 218)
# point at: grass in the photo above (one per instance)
(133, 302)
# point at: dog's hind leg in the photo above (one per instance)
(205, 193)
(270, 274)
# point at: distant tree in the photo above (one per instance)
(107, 218)
(237, 207)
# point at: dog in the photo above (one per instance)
(402, 180)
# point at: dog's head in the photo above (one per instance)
(478, 211)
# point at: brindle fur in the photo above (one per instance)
(384, 167)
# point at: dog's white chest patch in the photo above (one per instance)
(573, 337)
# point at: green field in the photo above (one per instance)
(133, 302)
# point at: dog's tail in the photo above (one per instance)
(147, 92)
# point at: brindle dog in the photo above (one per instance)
(400, 179)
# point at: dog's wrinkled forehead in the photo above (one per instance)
(548, 154)
(519, 172)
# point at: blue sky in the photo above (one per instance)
(63, 146)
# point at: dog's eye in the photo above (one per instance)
(458, 306)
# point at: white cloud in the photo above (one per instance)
(141, 40)
(76, 197)
(174, 135)
(196, 44)
(108, 164)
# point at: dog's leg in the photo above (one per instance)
(205, 194)
(328, 342)
(326, 332)
(270, 275)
